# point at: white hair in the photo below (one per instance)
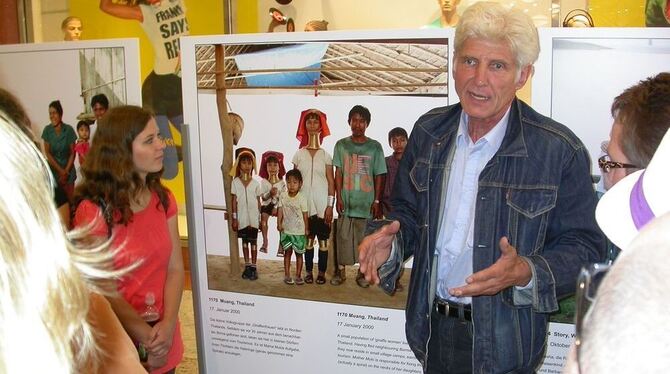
(45, 280)
(493, 21)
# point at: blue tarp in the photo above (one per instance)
(289, 57)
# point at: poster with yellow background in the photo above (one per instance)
(205, 17)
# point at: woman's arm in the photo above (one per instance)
(330, 178)
(70, 160)
(50, 158)
(280, 219)
(339, 180)
(233, 211)
(134, 325)
(64, 214)
(306, 220)
(122, 11)
(172, 293)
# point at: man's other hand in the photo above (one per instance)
(375, 249)
(509, 270)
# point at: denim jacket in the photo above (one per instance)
(537, 191)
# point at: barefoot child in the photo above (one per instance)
(272, 171)
(293, 226)
(246, 207)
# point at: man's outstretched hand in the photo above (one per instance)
(509, 270)
(375, 249)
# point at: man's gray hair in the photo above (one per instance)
(492, 21)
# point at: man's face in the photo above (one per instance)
(615, 153)
(99, 111)
(398, 144)
(358, 125)
(73, 30)
(448, 5)
(485, 76)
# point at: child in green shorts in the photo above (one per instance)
(293, 225)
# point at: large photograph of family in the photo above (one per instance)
(317, 130)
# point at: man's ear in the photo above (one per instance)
(526, 72)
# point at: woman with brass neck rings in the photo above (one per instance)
(316, 167)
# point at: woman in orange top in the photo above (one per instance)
(123, 197)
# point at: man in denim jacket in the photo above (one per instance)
(496, 205)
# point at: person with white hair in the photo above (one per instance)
(53, 317)
(495, 203)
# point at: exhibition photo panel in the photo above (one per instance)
(268, 81)
(268, 86)
(72, 73)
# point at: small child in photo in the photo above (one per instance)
(272, 185)
(292, 223)
(81, 146)
(246, 207)
(397, 141)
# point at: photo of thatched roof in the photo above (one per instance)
(410, 68)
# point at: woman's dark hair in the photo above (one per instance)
(311, 115)
(272, 159)
(246, 157)
(57, 107)
(109, 170)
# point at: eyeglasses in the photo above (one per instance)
(587, 285)
(606, 164)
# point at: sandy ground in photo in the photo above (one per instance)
(271, 283)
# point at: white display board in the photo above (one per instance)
(242, 331)
(581, 71)
(38, 74)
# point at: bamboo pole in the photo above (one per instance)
(328, 69)
(226, 127)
